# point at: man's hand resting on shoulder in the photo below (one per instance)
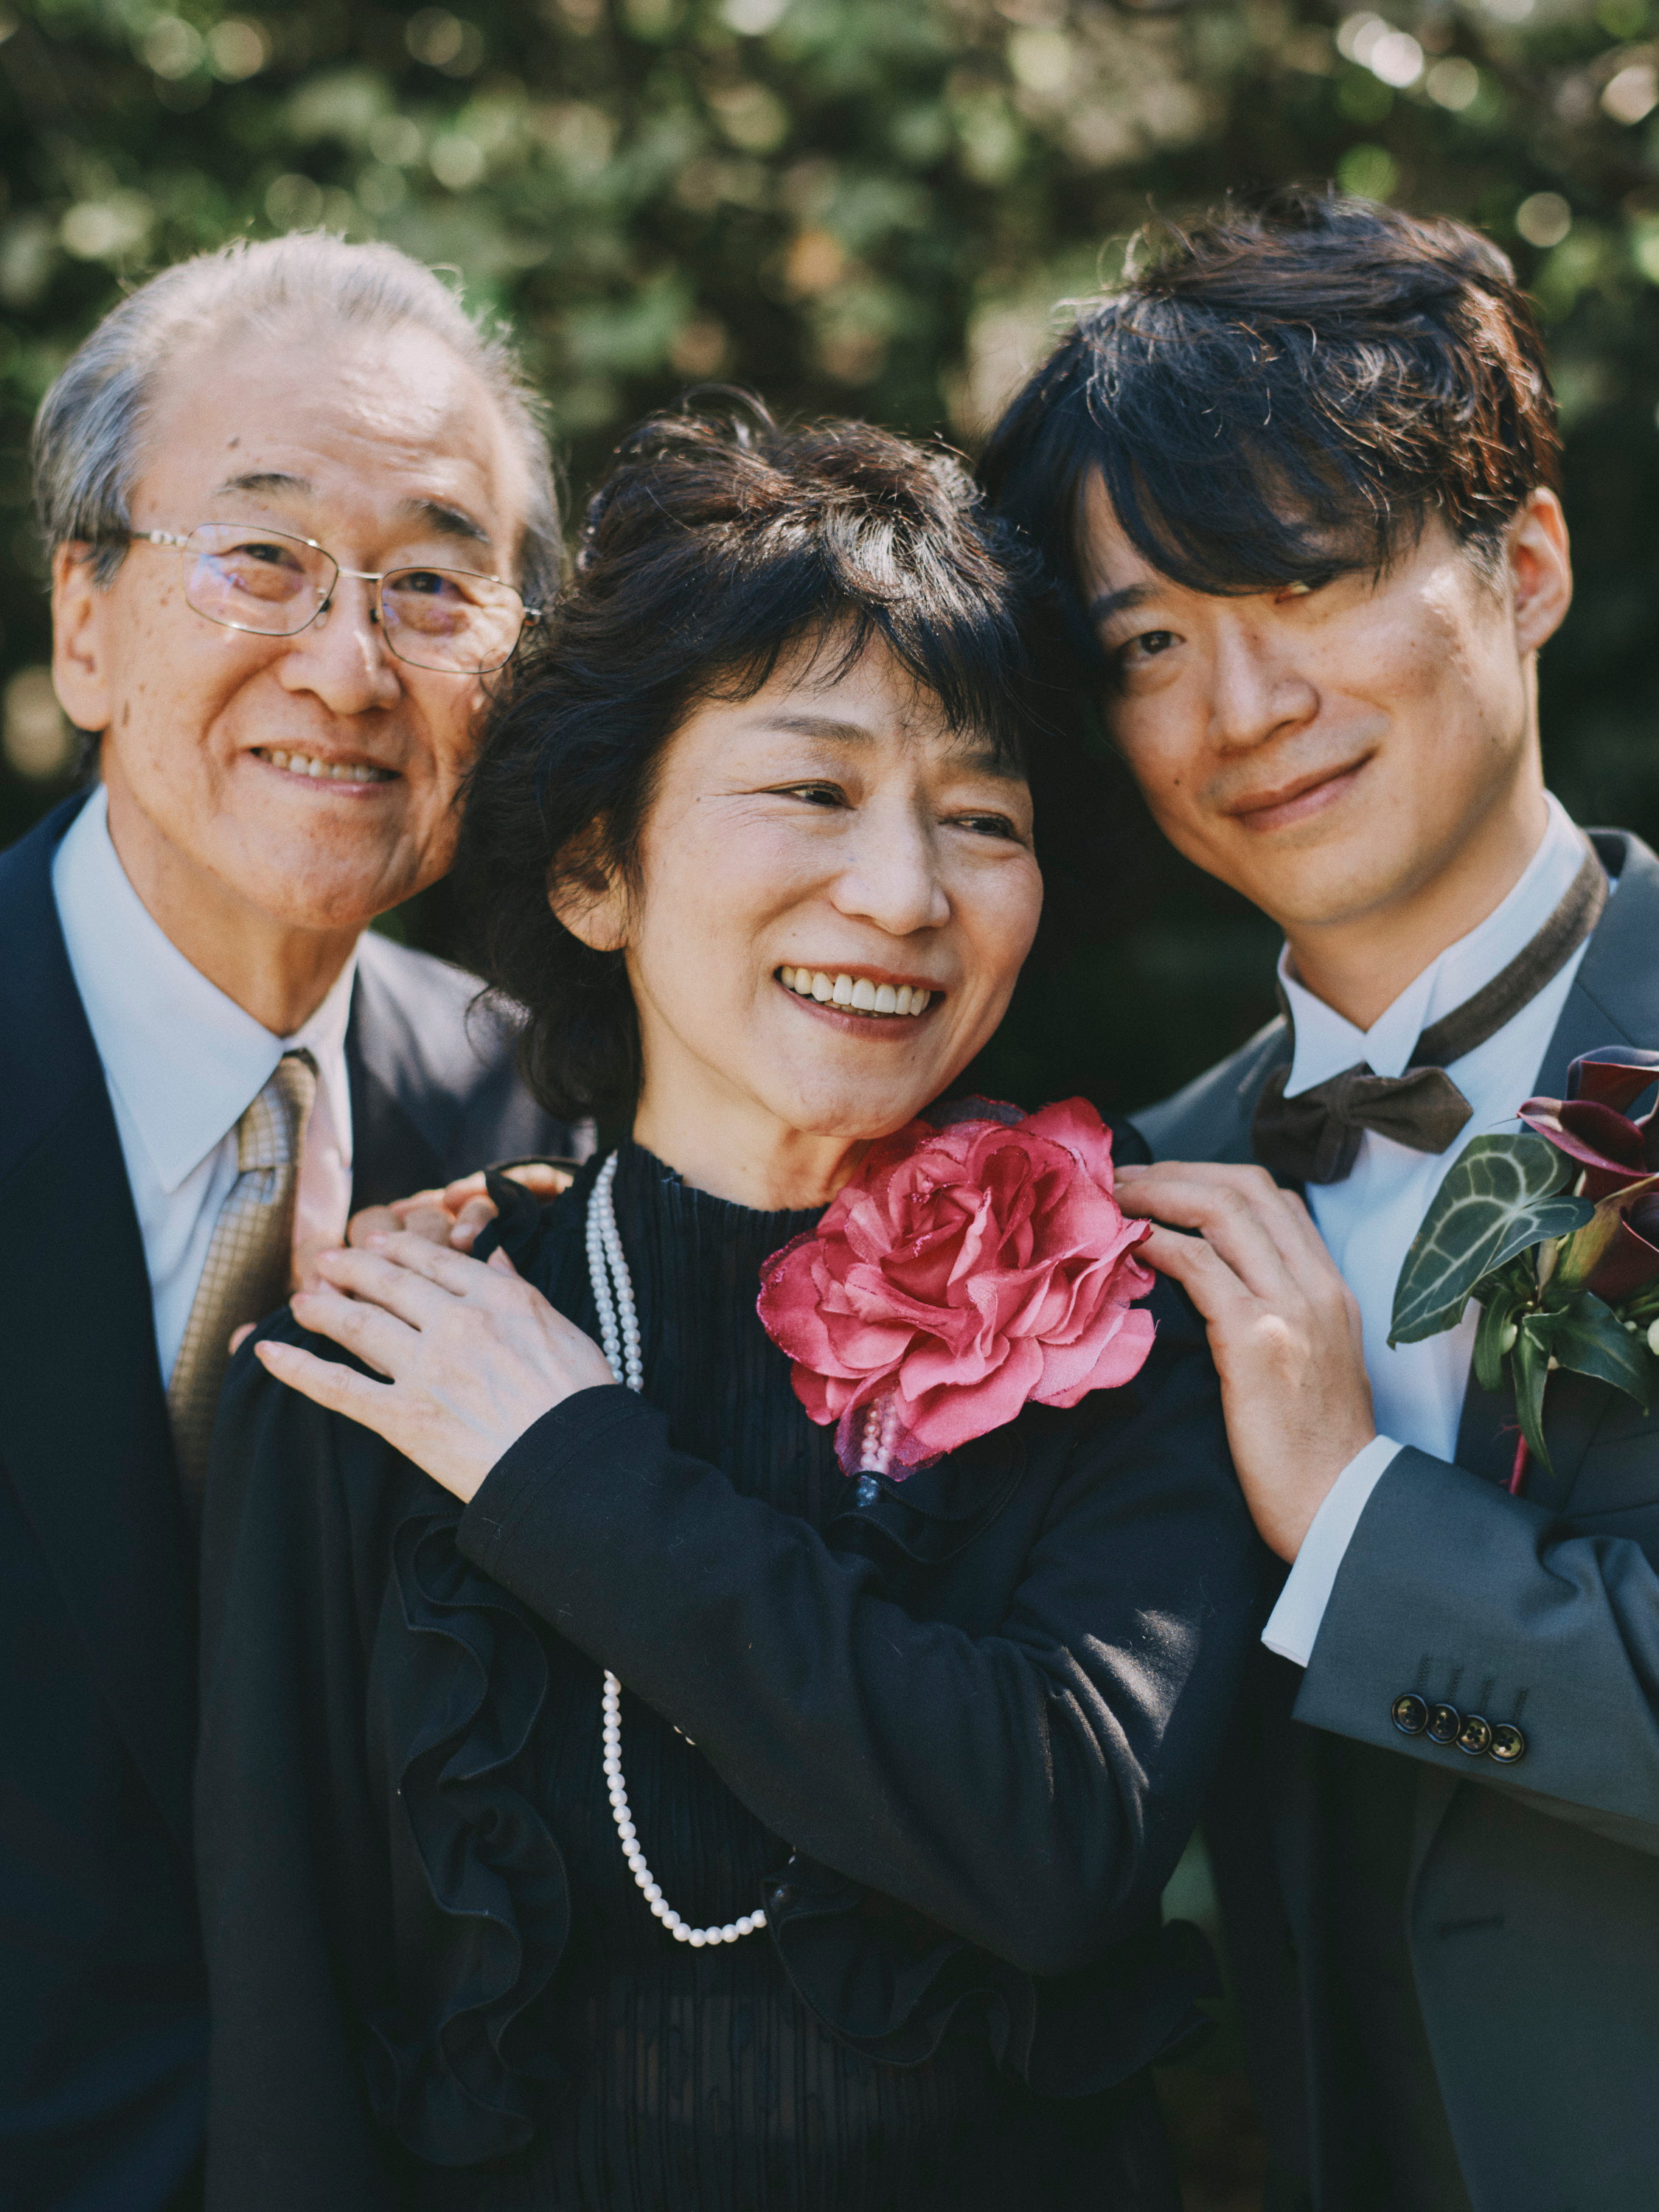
(453, 1215)
(1284, 1330)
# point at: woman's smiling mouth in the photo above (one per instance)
(848, 994)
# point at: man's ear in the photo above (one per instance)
(588, 896)
(1540, 570)
(80, 674)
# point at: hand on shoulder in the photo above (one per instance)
(453, 1215)
(1284, 1329)
(473, 1355)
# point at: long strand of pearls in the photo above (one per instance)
(619, 1334)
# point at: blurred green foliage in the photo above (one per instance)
(868, 206)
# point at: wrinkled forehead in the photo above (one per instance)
(319, 423)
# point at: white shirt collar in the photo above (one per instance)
(1326, 1044)
(186, 1061)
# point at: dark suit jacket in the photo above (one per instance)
(102, 2013)
(1532, 1906)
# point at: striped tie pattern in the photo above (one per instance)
(249, 1265)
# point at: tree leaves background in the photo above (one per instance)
(867, 206)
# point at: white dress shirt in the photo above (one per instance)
(1368, 1219)
(183, 1063)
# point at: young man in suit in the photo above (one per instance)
(1300, 473)
(298, 509)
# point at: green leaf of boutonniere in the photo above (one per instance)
(1589, 1337)
(1531, 1363)
(1503, 1297)
(1576, 1331)
(1503, 1194)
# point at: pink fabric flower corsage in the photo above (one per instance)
(961, 1271)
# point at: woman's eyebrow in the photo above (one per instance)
(823, 726)
(966, 747)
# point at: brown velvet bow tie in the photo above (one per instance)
(1315, 1137)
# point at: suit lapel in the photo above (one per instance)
(1614, 1000)
(84, 1430)
(1278, 1050)
(390, 1158)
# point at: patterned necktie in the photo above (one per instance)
(1315, 1137)
(250, 1261)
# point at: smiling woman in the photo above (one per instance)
(500, 1656)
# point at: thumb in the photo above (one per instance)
(499, 1259)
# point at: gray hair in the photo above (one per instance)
(88, 433)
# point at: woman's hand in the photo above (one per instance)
(1284, 1330)
(473, 1354)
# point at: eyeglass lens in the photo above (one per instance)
(274, 586)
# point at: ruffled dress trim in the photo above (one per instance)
(460, 2066)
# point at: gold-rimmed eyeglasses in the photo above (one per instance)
(265, 581)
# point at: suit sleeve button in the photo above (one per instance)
(1409, 1714)
(1475, 1737)
(1507, 1744)
(1444, 1723)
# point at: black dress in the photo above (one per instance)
(435, 1982)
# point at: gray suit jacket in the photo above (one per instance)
(1533, 1905)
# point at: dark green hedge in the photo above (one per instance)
(868, 205)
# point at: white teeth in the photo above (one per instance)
(326, 771)
(856, 992)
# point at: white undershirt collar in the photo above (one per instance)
(138, 987)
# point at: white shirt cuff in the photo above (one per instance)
(1293, 1624)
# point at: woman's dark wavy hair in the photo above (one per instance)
(1281, 392)
(717, 543)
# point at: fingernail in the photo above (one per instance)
(375, 1241)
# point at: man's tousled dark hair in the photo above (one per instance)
(1281, 392)
(719, 543)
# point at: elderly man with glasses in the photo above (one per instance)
(300, 510)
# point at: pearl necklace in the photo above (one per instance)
(619, 1334)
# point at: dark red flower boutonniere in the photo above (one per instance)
(1554, 1232)
(963, 1270)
